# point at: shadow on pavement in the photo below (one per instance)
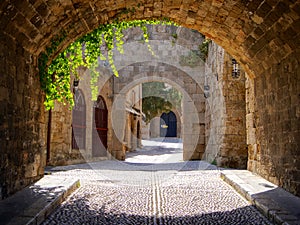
(86, 215)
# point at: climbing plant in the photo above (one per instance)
(204, 47)
(194, 57)
(159, 97)
(55, 76)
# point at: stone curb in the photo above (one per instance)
(48, 209)
(278, 205)
(52, 191)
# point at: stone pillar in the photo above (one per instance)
(128, 132)
(191, 130)
(253, 148)
(118, 126)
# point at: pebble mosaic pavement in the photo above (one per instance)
(114, 192)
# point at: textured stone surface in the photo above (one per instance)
(35, 202)
(225, 119)
(270, 199)
(61, 152)
(262, 35)
(135, 66)
(22, 121)
(174, 193)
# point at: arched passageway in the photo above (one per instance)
(263, 36)
(193, 148)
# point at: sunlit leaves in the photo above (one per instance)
(55, 79)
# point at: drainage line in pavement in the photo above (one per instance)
(156, 200)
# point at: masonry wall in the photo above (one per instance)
(22, 122)
(225, 111)
(273, 123)
(61, 151)
(263, 36)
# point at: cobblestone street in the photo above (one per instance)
(143, 191)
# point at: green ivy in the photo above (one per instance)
(204, 48)
(84, 52)
(192, 60)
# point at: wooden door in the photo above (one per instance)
(168, 125)
(100, 129)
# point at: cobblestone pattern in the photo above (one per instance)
(153, 197)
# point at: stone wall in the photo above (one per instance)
(273, 123)
(193, 109)
(262, 35)
(22, 127)
(61, 152)
(176, 60)
(225, 111)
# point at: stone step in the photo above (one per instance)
(33, 204)
(278, 205)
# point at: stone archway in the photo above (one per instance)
(193, 116)
(263, 36)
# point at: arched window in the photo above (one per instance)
(78, 121)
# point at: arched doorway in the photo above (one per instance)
(78, 121)
(100, 121)
(168, 125)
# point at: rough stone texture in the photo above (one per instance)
(225, 111)
(138, 65)
(273, 124)
(167, 49)
(268, 198)
(262, 35)
(35, 203)
(61, 152)
(22, 132)
(173, 193)
(155, 71)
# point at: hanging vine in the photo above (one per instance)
(55, 78)
(204, 47)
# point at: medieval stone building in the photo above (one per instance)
(261, 36)
(210, 122)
